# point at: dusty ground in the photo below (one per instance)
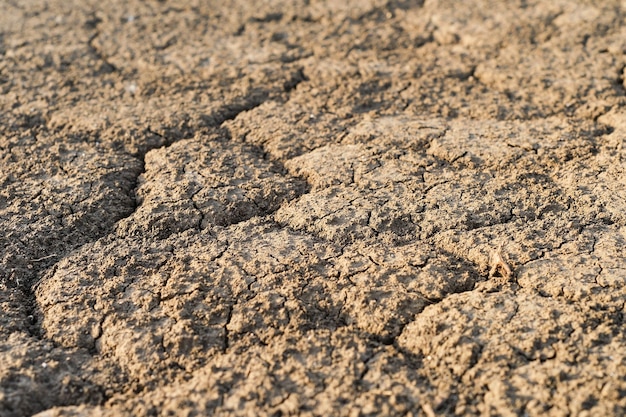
(291, 207)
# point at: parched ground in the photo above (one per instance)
(298, 207)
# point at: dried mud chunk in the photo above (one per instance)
(198, 183)
(57, 194)
(306, 370)
(339, 214)
(522, 241)
(74, 298)
(596, 187)
(400, 132)
(130, 298)
(290, 129)
(498, 144)
(609, 249)
(389, 286)
(383, 311)
(361, 194)
(503, 344)
(575, 389)
(361, 165)
(194, 42)
(290, 283)
(485, 200)
(597, 273)
(330, 372)
(73, 194)
(463, 327)
(159, 308)
(399, 193)
(572, 277)
(565, 78)
(35, 376)
(315, 166)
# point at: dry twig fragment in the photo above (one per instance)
(428, 410)
(497, 262)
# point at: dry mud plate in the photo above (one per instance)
(375, 207)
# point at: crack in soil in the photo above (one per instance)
(225, 113)
(106, 67)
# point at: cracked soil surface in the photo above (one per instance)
(289, 208)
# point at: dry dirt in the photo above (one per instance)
(295, 208)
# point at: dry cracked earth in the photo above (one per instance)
(296, 207)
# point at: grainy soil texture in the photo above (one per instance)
(315, 208)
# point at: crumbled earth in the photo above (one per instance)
(294, 208)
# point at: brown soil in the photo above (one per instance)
(312, 207)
